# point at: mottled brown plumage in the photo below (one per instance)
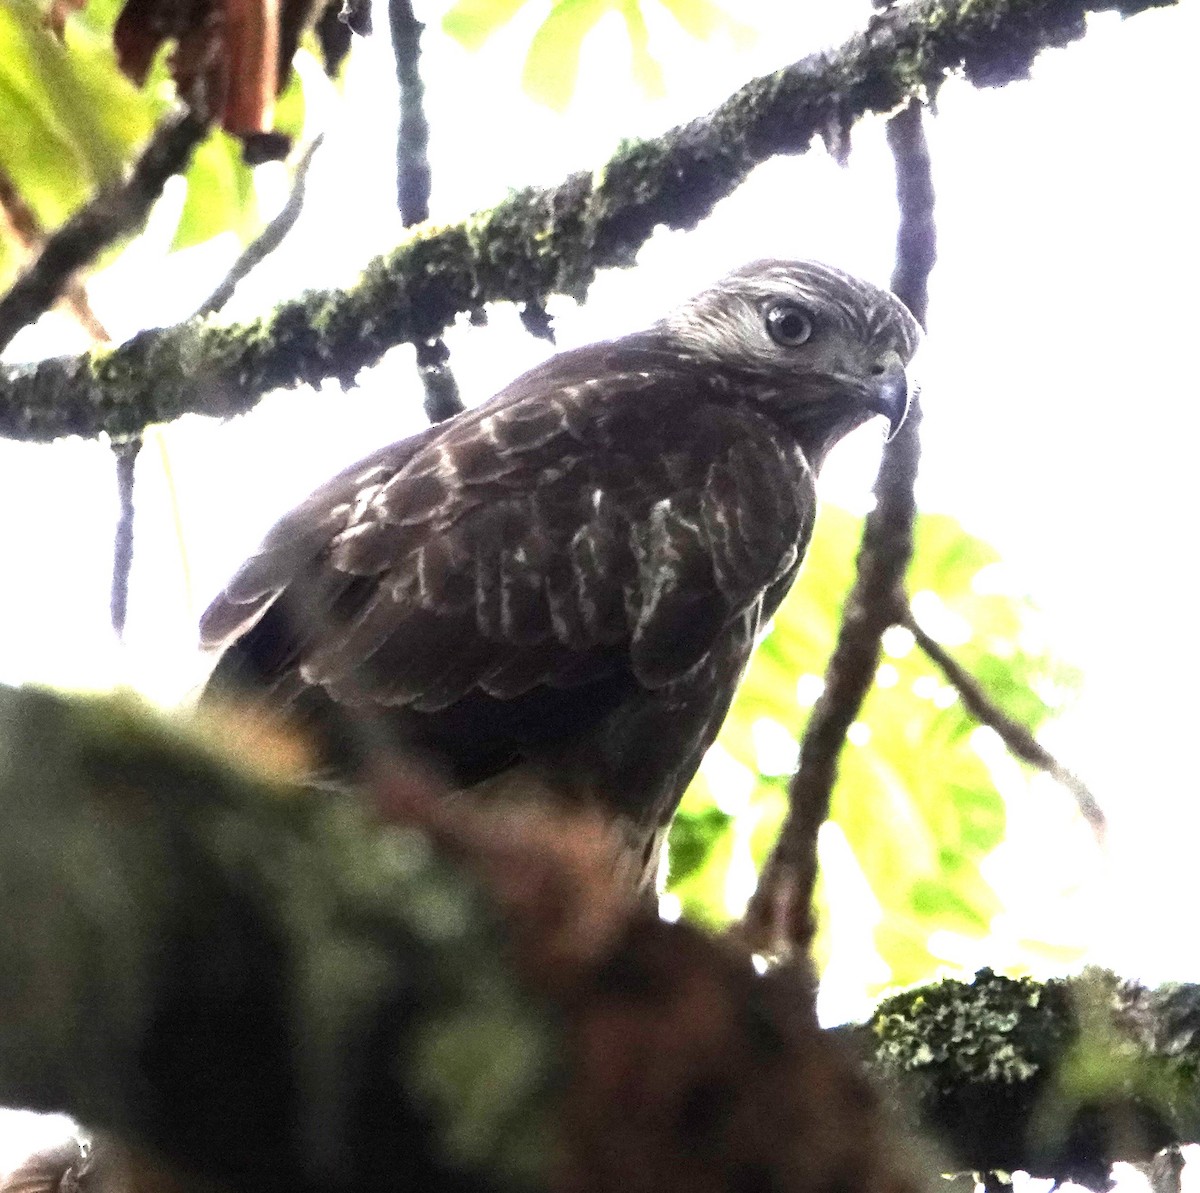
(558, 590)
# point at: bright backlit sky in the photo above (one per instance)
(1061, 392)
(1059, 382)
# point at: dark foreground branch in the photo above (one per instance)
(1015, 736)
(265, 986)
(272, 987)
(413, 182)
(539, 241)
(115, 212)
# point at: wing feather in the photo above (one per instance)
(520, 545)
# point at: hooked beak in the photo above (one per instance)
(889, 391)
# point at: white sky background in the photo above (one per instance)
(1059, 380)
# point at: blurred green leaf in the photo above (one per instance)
(220, 194)
(692, 838)
(291, 106)
(701, 892)
(647, 73)
(915, 802)
(552, 63)
(472, 22)
(98, 16)
(702, 20)
(71, 120)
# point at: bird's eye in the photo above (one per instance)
(788, 324)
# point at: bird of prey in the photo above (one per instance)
(557, 591)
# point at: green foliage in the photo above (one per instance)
(915, 801)
(220, 193)
(73, 123)
(552, 61)
(71, 120)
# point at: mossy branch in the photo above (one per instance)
(539, 241)
(265, 986)
(250, 980)
(1058, 1079)
(268, 986)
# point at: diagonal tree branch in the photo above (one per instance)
(539, 241)
(413, 180)
(113, 213)
(1015, 736)
(780, 917)
(26, 230)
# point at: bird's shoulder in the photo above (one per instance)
(606, 430)
(592, 502)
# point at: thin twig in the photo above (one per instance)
(1015, 736)
(126, 453)
(269, 239)
(413, 182)
(113, 213)
(780, 919)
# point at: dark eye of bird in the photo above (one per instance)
(788, 324)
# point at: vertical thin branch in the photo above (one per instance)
(413, 179)
(412, 142)
(916, 236)
(74, 299)
(780, 919)
(126, 453)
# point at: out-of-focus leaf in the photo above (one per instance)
(701, 891)
(70, 120)
(552, 64)
(290, 107)
(472, 22)
(915, 802)
(99, 16)
(38, 154)
(692, 838)
(220, 194)
(702, 20)
(647, 73)
(220, 186)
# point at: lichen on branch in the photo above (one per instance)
(1059, 1079)
(539, 241)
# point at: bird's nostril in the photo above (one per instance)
(878, 369)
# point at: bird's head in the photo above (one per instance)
(821, 349)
